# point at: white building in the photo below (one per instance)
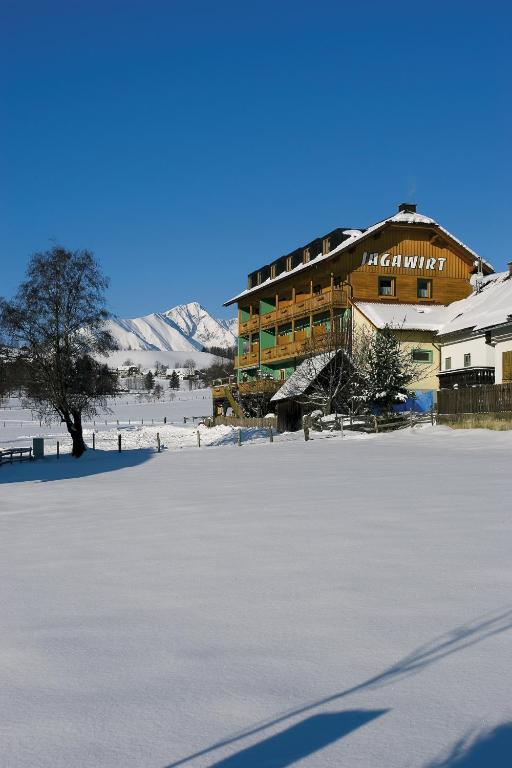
(476, 335)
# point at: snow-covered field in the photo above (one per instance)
(341, 602)
(137, 422)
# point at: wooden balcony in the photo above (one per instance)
(268, 319)
(249, 326)
(283, 351)
(248, 360)
(259, 386)
(337, 298)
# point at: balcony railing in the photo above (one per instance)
(247, 360)
(284, 351)
(269, 318)
(259, 386)
(337, 298)
(249, 325)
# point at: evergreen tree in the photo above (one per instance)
(149, 381)
(388, 370)
(157, 391)
(174, 381)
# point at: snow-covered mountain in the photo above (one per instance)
(185, 328)
(196, 323)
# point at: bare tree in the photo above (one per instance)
(56, 321)
(328, 376)
(190, 365)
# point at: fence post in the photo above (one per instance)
(271, 435)
(239, 436)
(165, 419)
(58, 449)
(119, 443)
(198, 439)
(94, 441)
(305, 424)
(158, 441)
(376, 424)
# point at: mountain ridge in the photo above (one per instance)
(184, 328)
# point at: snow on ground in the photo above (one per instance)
(137, 421)
(340, 602)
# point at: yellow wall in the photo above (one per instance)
(410, 340)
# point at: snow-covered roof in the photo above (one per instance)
(485, 308)
(418, 317)
(490, 306)
(355, 236)
(303, 376)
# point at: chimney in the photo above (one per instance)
(509, 265)
(407, 208)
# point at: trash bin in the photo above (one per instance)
(38, 447)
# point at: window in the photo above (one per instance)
(386, 286)
(424, 288)
(307, 255)
(448, 364)
(422, 355)
(467, 360)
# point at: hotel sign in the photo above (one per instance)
(406, 262)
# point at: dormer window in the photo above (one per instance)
(307, 255)
(326, 245)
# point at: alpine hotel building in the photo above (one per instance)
(396, 272)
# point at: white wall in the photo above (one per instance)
(482, 354)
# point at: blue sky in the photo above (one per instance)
(188, 142)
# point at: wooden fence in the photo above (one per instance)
(245, 421)
(491, 398)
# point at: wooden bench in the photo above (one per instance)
(8, 454)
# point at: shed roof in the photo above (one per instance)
(303, 376)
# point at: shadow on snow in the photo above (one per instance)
(493, 748)
(299, 740)
(422, 657)
(67, 467)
